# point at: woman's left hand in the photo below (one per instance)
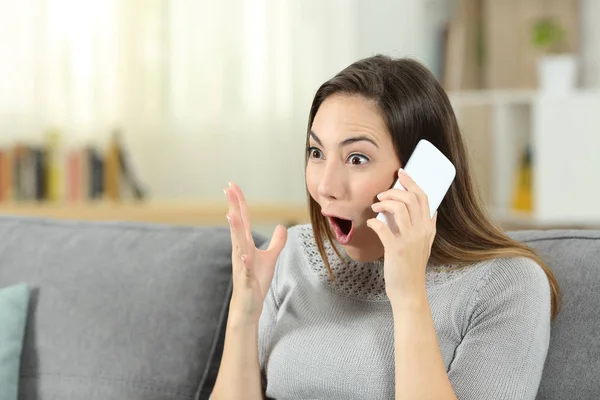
(407, 250)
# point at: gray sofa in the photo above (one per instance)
(137, 311)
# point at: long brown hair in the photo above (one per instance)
(415, 106)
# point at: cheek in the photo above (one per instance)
(369, 189)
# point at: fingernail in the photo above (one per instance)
(403, 172)
(373, 205)
(225, 192)
(229, 183)
(228, 218)
(379, 195)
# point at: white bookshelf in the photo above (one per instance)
(564, 131)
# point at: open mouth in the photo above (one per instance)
(343, 228)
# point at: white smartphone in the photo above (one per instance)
(432, 171)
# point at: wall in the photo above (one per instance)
(207, 139)
(211, 91)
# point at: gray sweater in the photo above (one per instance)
(335, 340)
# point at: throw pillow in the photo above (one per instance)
(14, 302)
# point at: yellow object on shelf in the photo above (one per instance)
(53, 167)
(523, 198)
(112, 170)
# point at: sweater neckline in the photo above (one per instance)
(360, 280)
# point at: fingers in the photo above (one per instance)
(408, 199)
(399, 211)
(246, 270)
(276, 244)
(278, 239)
(411, 187)
(236, 226)
(382, 230)
(434, 231)
(245, 216)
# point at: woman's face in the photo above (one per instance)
(351, 159)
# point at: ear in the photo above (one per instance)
(395, 178)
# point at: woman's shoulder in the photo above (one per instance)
(515, 271)
(518, 282)
(299, 239)
(292, 255)
(302, 231)
(296, 234)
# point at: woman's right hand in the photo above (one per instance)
(252, 268)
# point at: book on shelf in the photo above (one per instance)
(50, 173)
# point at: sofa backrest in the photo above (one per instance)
(118, 311)
(573, 364)
(138, 311)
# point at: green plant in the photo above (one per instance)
(548, 35)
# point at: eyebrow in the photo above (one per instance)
(346, 142)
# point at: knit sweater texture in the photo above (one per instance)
(323, 339)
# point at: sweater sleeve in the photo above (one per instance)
(267, 322)
(266, 327)
(503, 351)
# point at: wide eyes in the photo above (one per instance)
(354, 158)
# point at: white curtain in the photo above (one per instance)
(205, 91)
(69, 64)
(241, 77)
(83, 67)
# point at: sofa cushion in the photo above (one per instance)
(573, 361)
(13, 316)
(118, 310)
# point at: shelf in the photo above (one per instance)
(173, 212)
(211, 214)
(469, 98)
(491, 97)
(561, 131)
(514, 220)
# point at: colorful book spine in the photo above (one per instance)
(6, 175)
(53, 167)
(53, 174)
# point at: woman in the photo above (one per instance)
(440, 308)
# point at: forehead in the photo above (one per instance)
(343, 115)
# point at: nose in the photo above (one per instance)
(331, 183)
